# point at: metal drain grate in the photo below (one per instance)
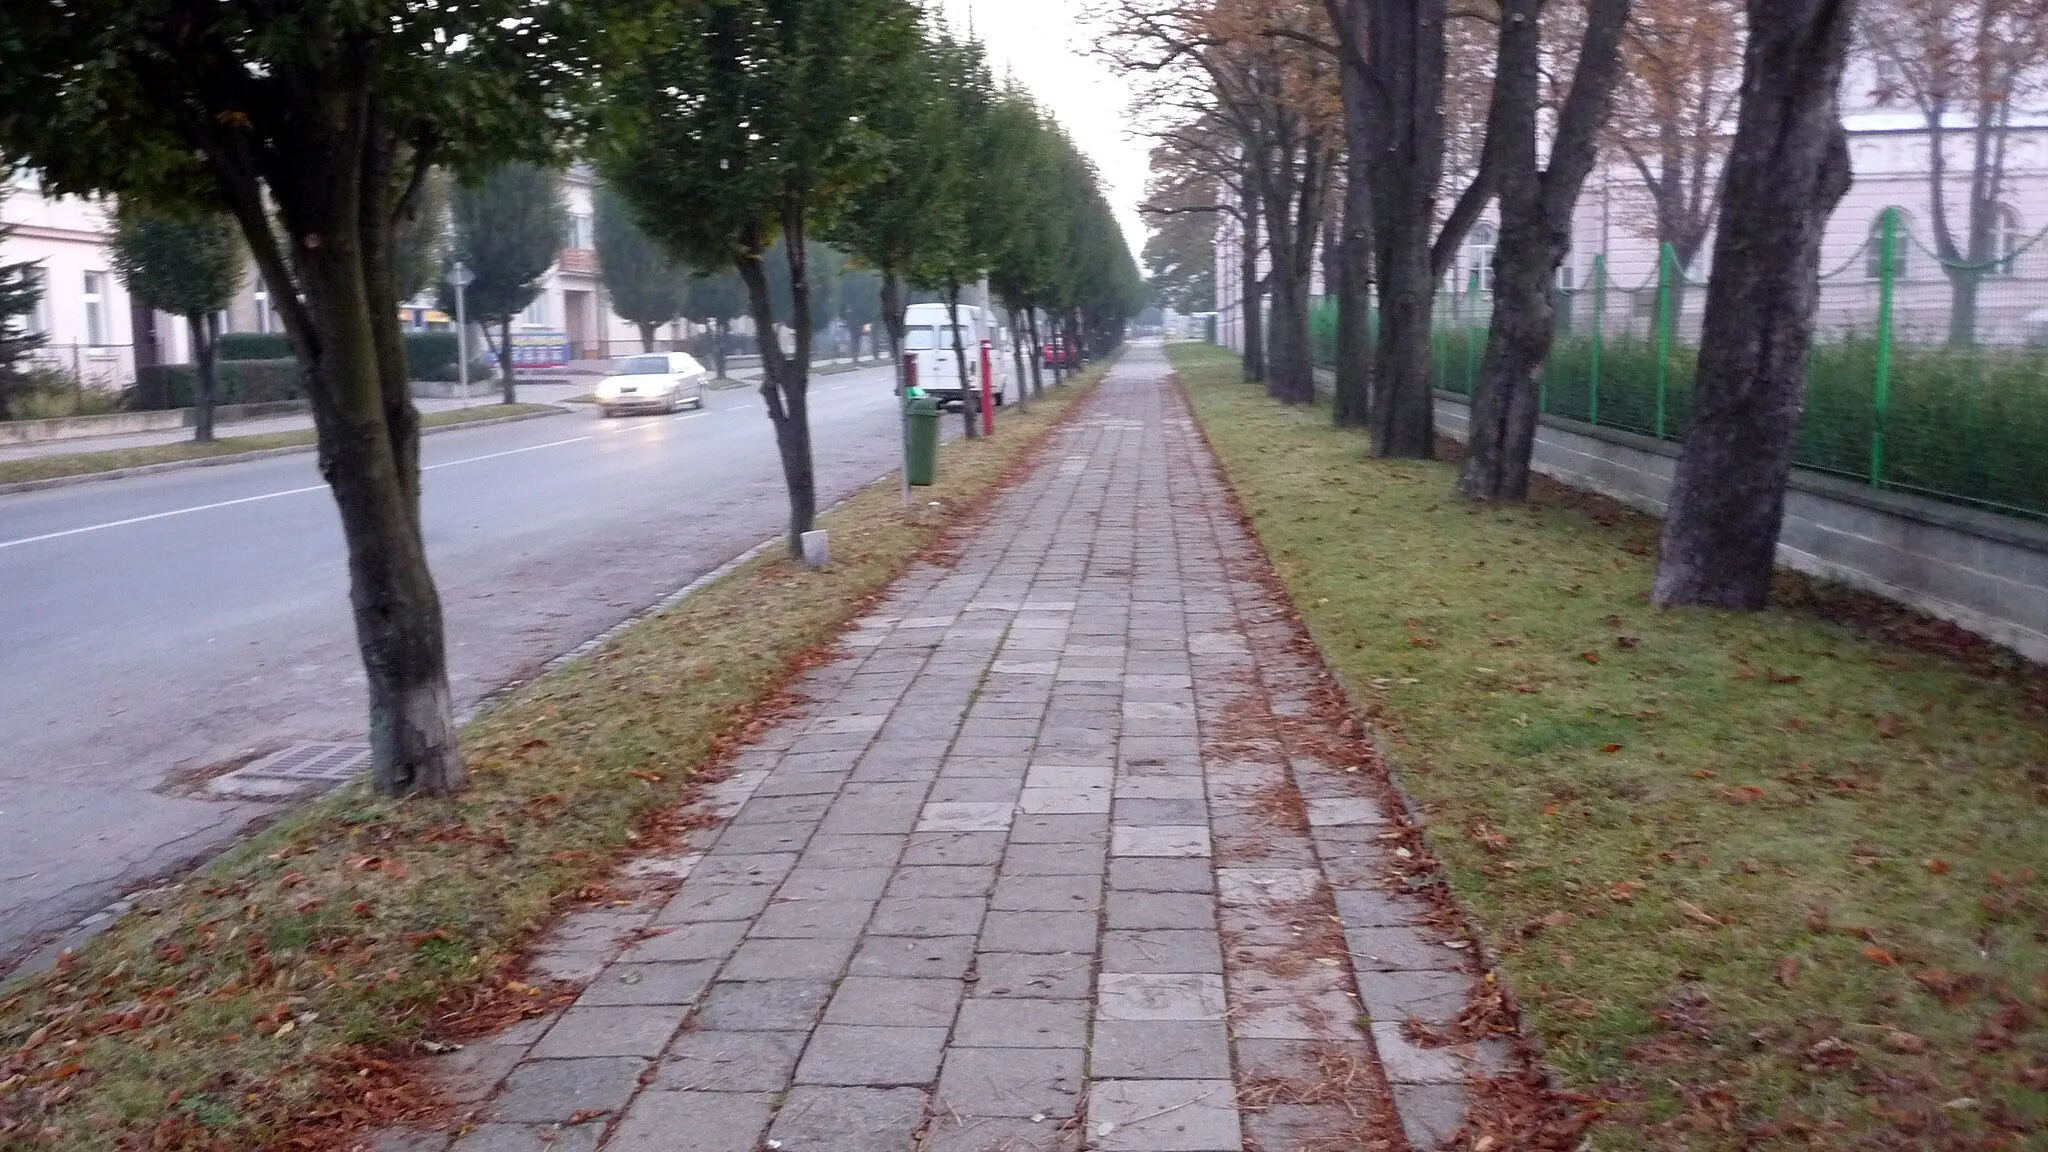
(312, 761)
(308, 766)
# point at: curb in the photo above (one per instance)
(239, 457)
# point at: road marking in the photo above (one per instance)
(264, 496)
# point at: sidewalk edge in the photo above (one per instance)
(9, 489)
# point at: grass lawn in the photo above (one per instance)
(81, 463)
(1760, 881)
(275, 984)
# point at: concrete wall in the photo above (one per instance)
(1986, 572)
(120, 423)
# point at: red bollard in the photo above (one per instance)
(988, 406)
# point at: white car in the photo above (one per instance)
(652, 382)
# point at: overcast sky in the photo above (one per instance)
(1042, 43)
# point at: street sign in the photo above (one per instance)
(461, 276)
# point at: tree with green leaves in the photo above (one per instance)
(961, 227)
(188, 266)
(21, 293)
(716, 299)
(419, 240)
(754, 114)
(314, 123)
(646, 287)
(509, 227)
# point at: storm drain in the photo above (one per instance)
(308, 766)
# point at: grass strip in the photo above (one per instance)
(85, 463)
(1760, 880)
(225, 1011)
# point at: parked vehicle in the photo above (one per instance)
(1056, 354)
(928, 337)
(652, 382)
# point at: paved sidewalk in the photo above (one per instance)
(1062, 856)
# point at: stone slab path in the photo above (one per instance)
(1048, 864)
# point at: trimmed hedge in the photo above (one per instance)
(431, 355)
(241, 382)
(254, 346)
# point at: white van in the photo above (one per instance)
(928, 340)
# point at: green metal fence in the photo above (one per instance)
(1926, 376)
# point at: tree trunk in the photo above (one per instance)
(508, 381)
(1404, 47)
(1017, 354)
(646, 337)
(892, 322)
(784, 379)
(721, 332)
(206, 385)
(1290, 376)
(1963, 284)
(1037, 354)
(1787, 169)
(1351, 407)
(1535, 233)
(970, 403)
(1252, 294)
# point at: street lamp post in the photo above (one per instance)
(461, 276)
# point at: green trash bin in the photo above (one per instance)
(921, 426)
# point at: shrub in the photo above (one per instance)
(241, 382)
(254, 346)
(431, 355)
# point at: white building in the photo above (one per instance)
(84, 314)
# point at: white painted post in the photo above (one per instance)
(461, 276)
(817, 548)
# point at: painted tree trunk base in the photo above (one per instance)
(413, 743)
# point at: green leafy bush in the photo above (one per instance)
(254, 346)
(241, 382)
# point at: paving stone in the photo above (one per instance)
(1160, 788)
(1051, 976)
(895, 1001)
(1435, 998)
(823, 1119)
(1159, 1050)
(1266, 886)
(929, 916)
(782, 810)
(473, 1071)
(1430, 1113)
(939, 958)
(841, 918)
(950, 1133)
(790, 959)
(1162, 950)
(763, 1005)
(856, 850)
(1142, 910)
(720, 867)
(801, 784)
(530, 1138)
(1076, 777)
(634, 1031)
(1039, 932)
(976, 790)
(1343, 811)
(1003, 1022)
(1408, 1063)
(823, 881)
(1289, 1012)
(919, 882)
(714, 902)
(551, 1091)
(1053, 859)
(701, 1060)
(980, 1082)
(1164, 1116)
(1160, 874)
(1060, 829)
(1392, 949)
(628, 984)
(871, 1055)
(1063, 801)
(1070, 893)
(1169, 840)
(1141, 812)
(715, 1121)
(964, 816)
(954, 848)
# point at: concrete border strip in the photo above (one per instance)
(9, 489)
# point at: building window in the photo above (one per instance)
(2005, 239)
(536, 314)
(96, 309)
(1475, 260)
(580, 235)
(1902, 247)
(37, 322)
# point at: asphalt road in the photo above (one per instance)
(155, 626)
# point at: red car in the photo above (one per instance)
(1056, 354)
